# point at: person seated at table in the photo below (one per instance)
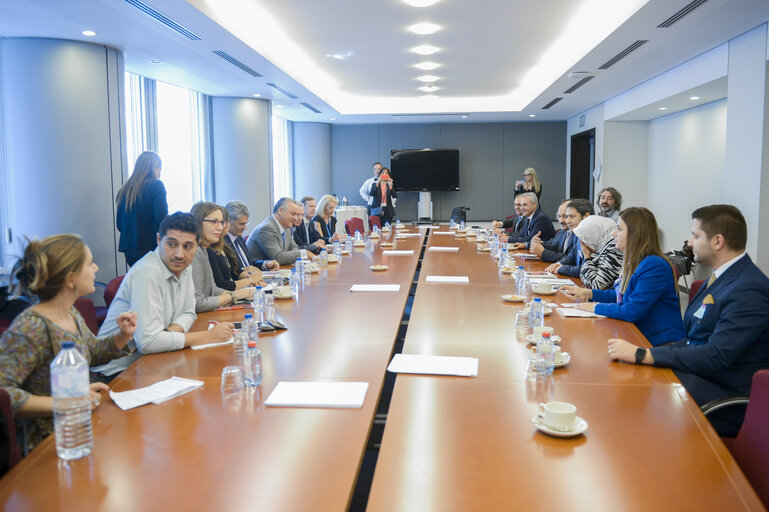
(161, 291)
(558, 246)
(536, 222)
(219, 257)
(602, 260)
(57, 270)
(304, 232)
(646, 292)
(570, 264)
(727, 333)
(324, 222)
(384, 195)
(272, 238)
(209, 296)
(240, 264)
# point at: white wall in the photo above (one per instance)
(686, 168)
(625, 161)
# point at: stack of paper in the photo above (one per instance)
(578, 313)
(448, 279)
(397, 253)
(156, 393)
(434, 365)
(375, 288)
(318, 394)
(442, 249)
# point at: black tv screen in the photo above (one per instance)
(425, 169)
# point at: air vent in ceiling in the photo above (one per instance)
(235, 62)
(551, 103)
(310, 107)
(680, 14)
(165, 20)
(624, 53)
(282, 91)
(578, 85)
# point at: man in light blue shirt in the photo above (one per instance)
(160, 290)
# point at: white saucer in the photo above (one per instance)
(345, 252)
(565, 359)
(484, 249)
(580, 427)
(359, 244)
(551, 292)
(554, 338)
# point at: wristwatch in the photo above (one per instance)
(233, 297)
(640, 354)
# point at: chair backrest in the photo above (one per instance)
(751, 448)
(694, 288)
(12, 446)
(88, 312)
(512, 228)
(111, 290)
(374, 220)
(353, 225)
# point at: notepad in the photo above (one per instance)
(318, 394)
(209, 345)
(448, 279)
(434, 365)
(397, 253)
(375, 288)
(156, 393)
(442, 249)
(578, 313)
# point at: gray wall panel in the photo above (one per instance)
(312, 159)
(353, 149)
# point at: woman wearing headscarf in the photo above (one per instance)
(602, 260)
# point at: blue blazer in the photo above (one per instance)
(541, 223)
(727, 329)
(139, 226)
(571, 263)
(554, 249)
(650, 302)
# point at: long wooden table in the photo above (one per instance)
(454, 443)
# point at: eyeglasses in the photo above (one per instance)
(216, 222)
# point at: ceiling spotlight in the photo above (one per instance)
(428, 78)
(429, 88)
(278, 106)
(662, 108)
(340, 55)
(465, 117)
(532, 115)
(694, 98)
(257, 95)
(332, 118)
(425, 49)
(157, 62)
(424, 29)
(420, 3)
(89, 33)
(427, 66)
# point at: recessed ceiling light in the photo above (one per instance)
(430, 97)
(694, 98)
(465, 117)
(278, 106)
(421, 3)
(532, 115)
(662, 108)
(427, 66)
(424, 28)
(89, 33)
(157, 62)
(257, 95)
(332, 119)
(428, 78)
(429, 88)
(340, 55)
(425, 49)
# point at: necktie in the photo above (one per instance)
(712, 278)
(283, 236)
(525, 228)
(566, 241)
(239, 245)
(306, 232)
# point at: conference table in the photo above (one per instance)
(449, 443)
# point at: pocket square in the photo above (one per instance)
(708, 299)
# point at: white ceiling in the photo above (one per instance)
(488, 49)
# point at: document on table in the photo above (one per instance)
(375, 288)
(408, 234)
(156, 393)
(318, 394)
(557, 283)
(577, 313)
(448, 279)
(442, 249)
(442, 233)
(434, 365)
(209, 345)
(397, 253)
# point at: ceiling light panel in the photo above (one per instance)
(425, 49)
(427, 66)
(424, 29)
(428, 78)
(420, 3)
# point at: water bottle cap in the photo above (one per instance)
(258, 287)
(520, 267)
(545, 334)
(252, 344)
(67, 344)
(249, 316)
(537, 299)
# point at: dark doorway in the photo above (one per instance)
(582, 165)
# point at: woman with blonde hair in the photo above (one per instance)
(529, 183)
(209, 296)
(57, 270)
(646, 292)
(141, 205)
(324, 220)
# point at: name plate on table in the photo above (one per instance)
(442, 249)
(434, 365)
(397, 253)
(318, 394)
(448, 279)
(375, 288)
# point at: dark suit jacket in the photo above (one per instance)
(554, 248)
(572, 261)
(139, 226)
(300, 237)
(326, 231)
(388, 209)
(237, 269)
(727, 340)
(540, 223)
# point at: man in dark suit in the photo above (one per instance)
(239, 215)
(273, 239)
(305, 234)
(535, 221)
(558, 246)
(572, 258)
(727, 332)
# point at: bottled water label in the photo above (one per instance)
(71, 382)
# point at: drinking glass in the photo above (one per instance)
(522, 326)
(232, 380)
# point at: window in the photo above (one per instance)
(135, 119)
(180, 144)
(282, 178)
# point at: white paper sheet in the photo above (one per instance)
(375, 288)
(442, 249)
(448, 279)
(397, 253)
(442, 233)
(557, 283)
(578, 313)
(408, 234)
(209, 345)
(156, 393)
(434, 365)
(318, 394)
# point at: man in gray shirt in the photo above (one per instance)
(160, 290)
(365, 189)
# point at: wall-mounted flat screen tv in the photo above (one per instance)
(425, 170)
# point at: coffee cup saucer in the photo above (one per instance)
(579, 427)
(543, 292)
(533, 340)
(565, 359)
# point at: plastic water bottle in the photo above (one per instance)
(253, 365)
(494, 245)
(451, 223)
(71, 403)
(250, 330)
(523, 288)
(357, 235)
(387, 224)
(503, 256)
(323, 258)
(259, 300)
(546, 349)
(293, 281)
(337, 248)
(537, 313)
(344, 201)
(518, 276)
(375, 230)
(348, 244)
(462, 226)
(241, 338)
(299, 266)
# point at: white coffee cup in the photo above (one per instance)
(557, 355)
(558, 415)
(539, 329)
(542, 287)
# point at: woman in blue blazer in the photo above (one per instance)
(646, 292)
